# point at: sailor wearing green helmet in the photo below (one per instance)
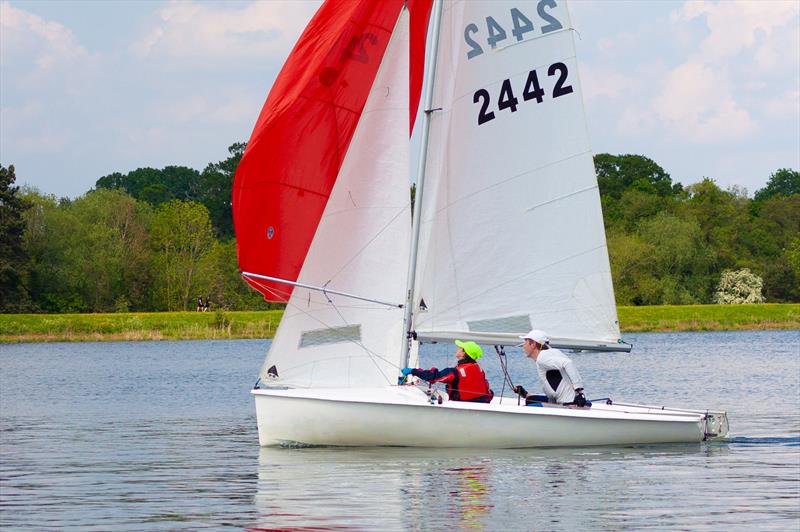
(466, 381)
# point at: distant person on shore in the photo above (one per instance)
(200, 305)
(207, 304)
(466, 381)
(560, 378)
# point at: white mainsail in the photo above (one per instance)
(361, 246)
(512, 231)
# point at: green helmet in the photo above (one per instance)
(472, 349)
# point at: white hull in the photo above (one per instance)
(403, 416)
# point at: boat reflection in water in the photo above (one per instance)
(471, 493)
(400, 488)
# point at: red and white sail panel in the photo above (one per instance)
(361, 246)
(303, 134)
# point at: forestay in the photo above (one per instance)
(512, 231)
(361, 246)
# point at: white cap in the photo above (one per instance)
(538, 336)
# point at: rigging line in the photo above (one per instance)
(365, 246)
(345, 210)
(430, 384)
(287, 294)
(382, 308)
(563, 196)
(502, 182)
(360, 307)
(566, 310)
(548, 34)
(342, 107)
(503, 388)
(515, 279)
(358, 343)
(369, 352)
(501, 354)
(331, 303)
(281, 184)
(318, 288)
(356, 307)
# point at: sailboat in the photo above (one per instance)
(505, 233)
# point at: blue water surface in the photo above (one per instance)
(161, 435)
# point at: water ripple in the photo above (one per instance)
(166, 449)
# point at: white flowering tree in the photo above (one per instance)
(738, 287)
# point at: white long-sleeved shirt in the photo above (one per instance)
(553, 359)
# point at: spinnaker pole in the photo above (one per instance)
(430, 71)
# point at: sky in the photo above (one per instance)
(88, 88)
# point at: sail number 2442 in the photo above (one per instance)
(531, 91)
(521, 25)
(495, 33)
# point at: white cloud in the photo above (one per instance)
(785, 106)
(44, 70)
(29, 39)
(696, 104)
(635, 119)
(193, 30)
(732, 75)
(735, 26)
(238, 107)
(191, 107)
(621, 41)
(604, 83)
(33, 129)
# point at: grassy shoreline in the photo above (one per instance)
(262, 324)
(131, 326)
(676, 318)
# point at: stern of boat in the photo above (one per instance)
(716, 425)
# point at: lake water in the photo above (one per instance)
(162, 435)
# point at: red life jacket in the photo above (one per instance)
(470, 383)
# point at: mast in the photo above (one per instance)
(430, 71)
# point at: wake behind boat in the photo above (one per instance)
(506, 234)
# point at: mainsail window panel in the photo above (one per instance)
(509, 324)
(335, 335)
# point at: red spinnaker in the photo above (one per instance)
(304, 130)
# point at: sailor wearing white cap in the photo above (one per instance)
(560, 378)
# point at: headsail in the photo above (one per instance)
(303, 134)
(512, 230)
(361, 247)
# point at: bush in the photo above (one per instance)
(221, 320)
(738, 287)
(122, 304)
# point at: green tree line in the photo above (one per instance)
(670, 244)
(153, 240)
